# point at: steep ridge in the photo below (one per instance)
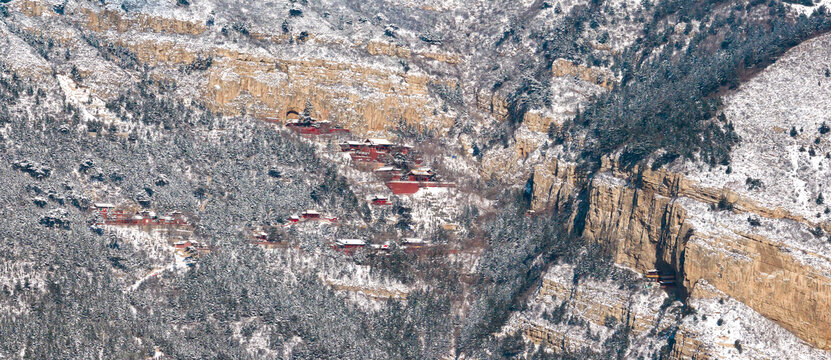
(684, 231)
(269, 86)
(641, 309)
(367, 91)
(751, 243)
(760, 247)
(712, 325)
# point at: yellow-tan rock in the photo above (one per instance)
(114, 20)
(638, 213)
(766, 276)
(597, 76)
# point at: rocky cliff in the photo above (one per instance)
(746, 241)
(704, 234)
(755, 231)
(359, 85)
(742, 238)
(662, 220)
(710, 327)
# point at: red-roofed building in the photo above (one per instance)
(310, 215)
(417, 179)
(349, 245)
(388, 173)
(381, 200)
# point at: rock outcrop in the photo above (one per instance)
(647, 230)
(597, 76)
(554, 183)
(360, 91)
(723, 327)
(115, 20)
(569, 316)
(278, 86)
(660, 219)
(783, 283)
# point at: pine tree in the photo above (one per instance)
(308, 110)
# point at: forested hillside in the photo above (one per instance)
(413, 179)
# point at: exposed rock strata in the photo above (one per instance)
(659, 219)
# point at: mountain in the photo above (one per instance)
(425, 179)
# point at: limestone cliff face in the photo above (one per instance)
(715, 320)
(362, 98)
(551, 338)
(31, 8)
(596, 308)
(764, 249)
(659, 219)
(446, 58)
(376, 48)
(767, 277)
(161, 52)
(495, 104)
(722, 322)
(115, 20)
(492, 103)
(540, 122)
(355, 93)
(597, 76)
(270, 87)
(384, 48)
(646, 229)
(513, 164)
(554, 183)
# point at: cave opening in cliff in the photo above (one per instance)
(292, 115)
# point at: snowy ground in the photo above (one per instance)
(795, 238)
(792, 93)
(91, 106)
(15, 52)
(178, 265)
(363, 288)
(161, 255)
(808, 10)
(356, 283)
(728, 321)
(586, 304)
